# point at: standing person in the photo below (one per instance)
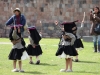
(17, 21)
(67, 49)
(34, 48)
(95, 18)
(18, 52)
(78, 43)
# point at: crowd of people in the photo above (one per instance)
(69, 44)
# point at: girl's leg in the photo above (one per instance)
(20, 66)
(14, 64)
(76, 57)
(67, 61)
(38, 60)
(70, 63)
(30, 58)
(31, 62)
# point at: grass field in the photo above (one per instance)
(50, 64)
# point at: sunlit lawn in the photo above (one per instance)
(50, 64)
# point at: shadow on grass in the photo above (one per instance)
(87, 62)
(34, 72)
(46, 64)
(85, 72)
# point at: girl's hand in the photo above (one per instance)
(82, 21)
(62, 29)
(66, 37)
(28, 31)
(13, 42)
(73, 28)
(18, 29)
(34, 46)
(14, 28)
(56, 22)
(18, 40)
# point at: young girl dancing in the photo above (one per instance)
(66, 49)
(78, 43)
(18, 50)
(34, 48)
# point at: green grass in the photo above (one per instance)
(50, 64)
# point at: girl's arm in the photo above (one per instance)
(15, 41)
(72, 37)
(32, 42)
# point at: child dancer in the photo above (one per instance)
(18, 51)
(67, 49)
(34, 48)
(78, 43)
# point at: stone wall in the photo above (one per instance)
(42, 13)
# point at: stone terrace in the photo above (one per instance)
(42, 14)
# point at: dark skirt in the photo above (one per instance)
(78, 44)
(34, 51)
(16, 54)
(68, 50)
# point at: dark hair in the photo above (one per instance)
(98, 9)
(17, 11)
(35, 35)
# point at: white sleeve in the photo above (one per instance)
(79, 30)
(72, 37)
(82, 25)
(31, 41)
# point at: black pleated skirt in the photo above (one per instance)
(68, 50)
(16, 54)
(78, 44)
(34, 51)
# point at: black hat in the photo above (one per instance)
(34, 34)
(68, 26)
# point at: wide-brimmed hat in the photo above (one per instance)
(69, 25)
(17, 9)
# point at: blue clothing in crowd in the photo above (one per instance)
(13, 19)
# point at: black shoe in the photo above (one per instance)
(38, 62)
(76, 60)
(72, 59)
(31, 62)
(95, 51)
(95, 48)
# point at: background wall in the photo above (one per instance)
(42, 14)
